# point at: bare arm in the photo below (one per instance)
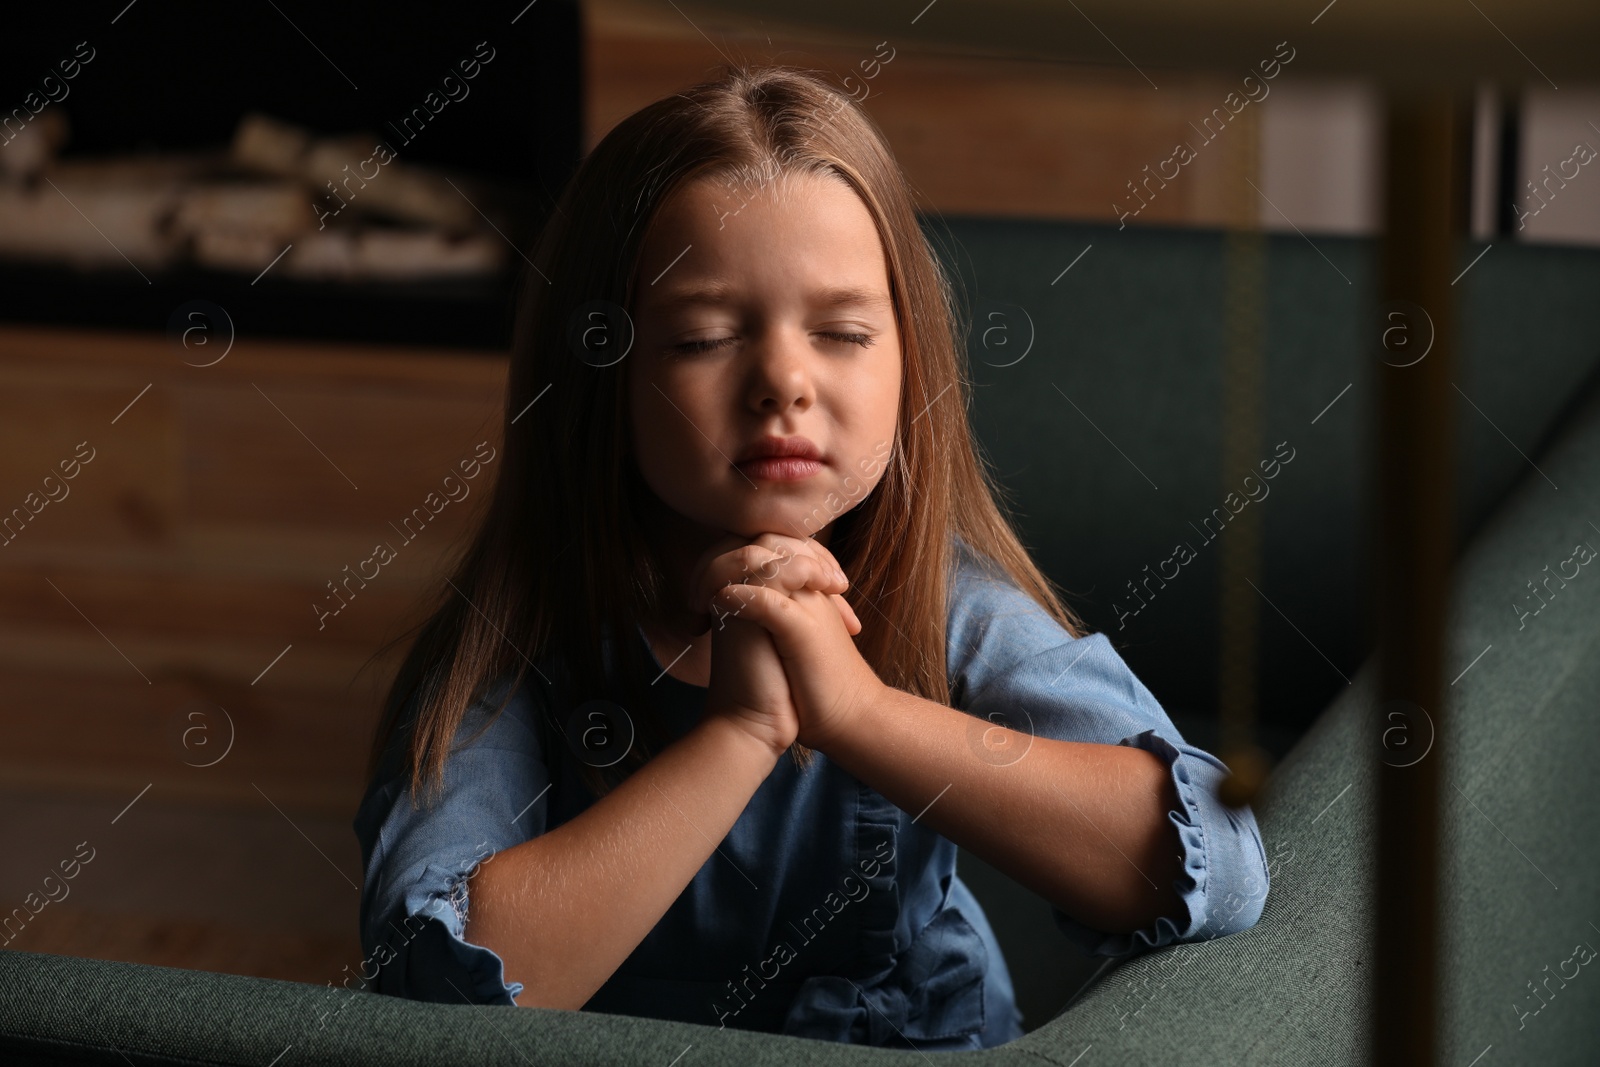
(1101, 808)
(565, 909)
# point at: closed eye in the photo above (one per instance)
(862, 339)
(703, 346)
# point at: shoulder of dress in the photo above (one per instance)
(993, 624)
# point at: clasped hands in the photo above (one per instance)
(792, 588)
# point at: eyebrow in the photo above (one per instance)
(832, 297)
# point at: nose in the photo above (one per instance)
(781, 373)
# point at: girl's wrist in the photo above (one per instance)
(730, 729)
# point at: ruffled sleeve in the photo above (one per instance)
(1013, 664)
(1224, 881)
(420, 861)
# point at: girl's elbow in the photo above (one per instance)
(1231, 914)
(1246, 906)
(1249, 915)
(1239, 910)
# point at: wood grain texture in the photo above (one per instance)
(181, 569)
(975, 136)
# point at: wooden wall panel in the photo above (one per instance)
(981, 136)
(178, 574)
(252, 458)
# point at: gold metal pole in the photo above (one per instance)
(1243, 383)
(1412, 548)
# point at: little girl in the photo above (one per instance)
(744, 647)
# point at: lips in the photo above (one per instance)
(780, 448)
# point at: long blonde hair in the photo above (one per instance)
(560, 559)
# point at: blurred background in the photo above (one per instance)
(256, 270)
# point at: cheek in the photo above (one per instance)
(665, 403)
(664, 416)
(886, 400)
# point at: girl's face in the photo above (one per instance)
(769, 320)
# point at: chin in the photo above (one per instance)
(789, 518)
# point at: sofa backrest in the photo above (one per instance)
(1099, 401)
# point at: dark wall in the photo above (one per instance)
(179, 73)
(178, 76)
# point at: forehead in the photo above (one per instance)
(808, 235)
(690, 293)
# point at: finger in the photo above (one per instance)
(698, 574)
(799, 565)
(848, 614)
(738, 561)
(778, 568)
(809, 572)
(801, 545)
(771, 609)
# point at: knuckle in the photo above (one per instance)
(817, 573)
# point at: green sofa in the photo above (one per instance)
(1125, 358)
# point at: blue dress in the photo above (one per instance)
(826, 912)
